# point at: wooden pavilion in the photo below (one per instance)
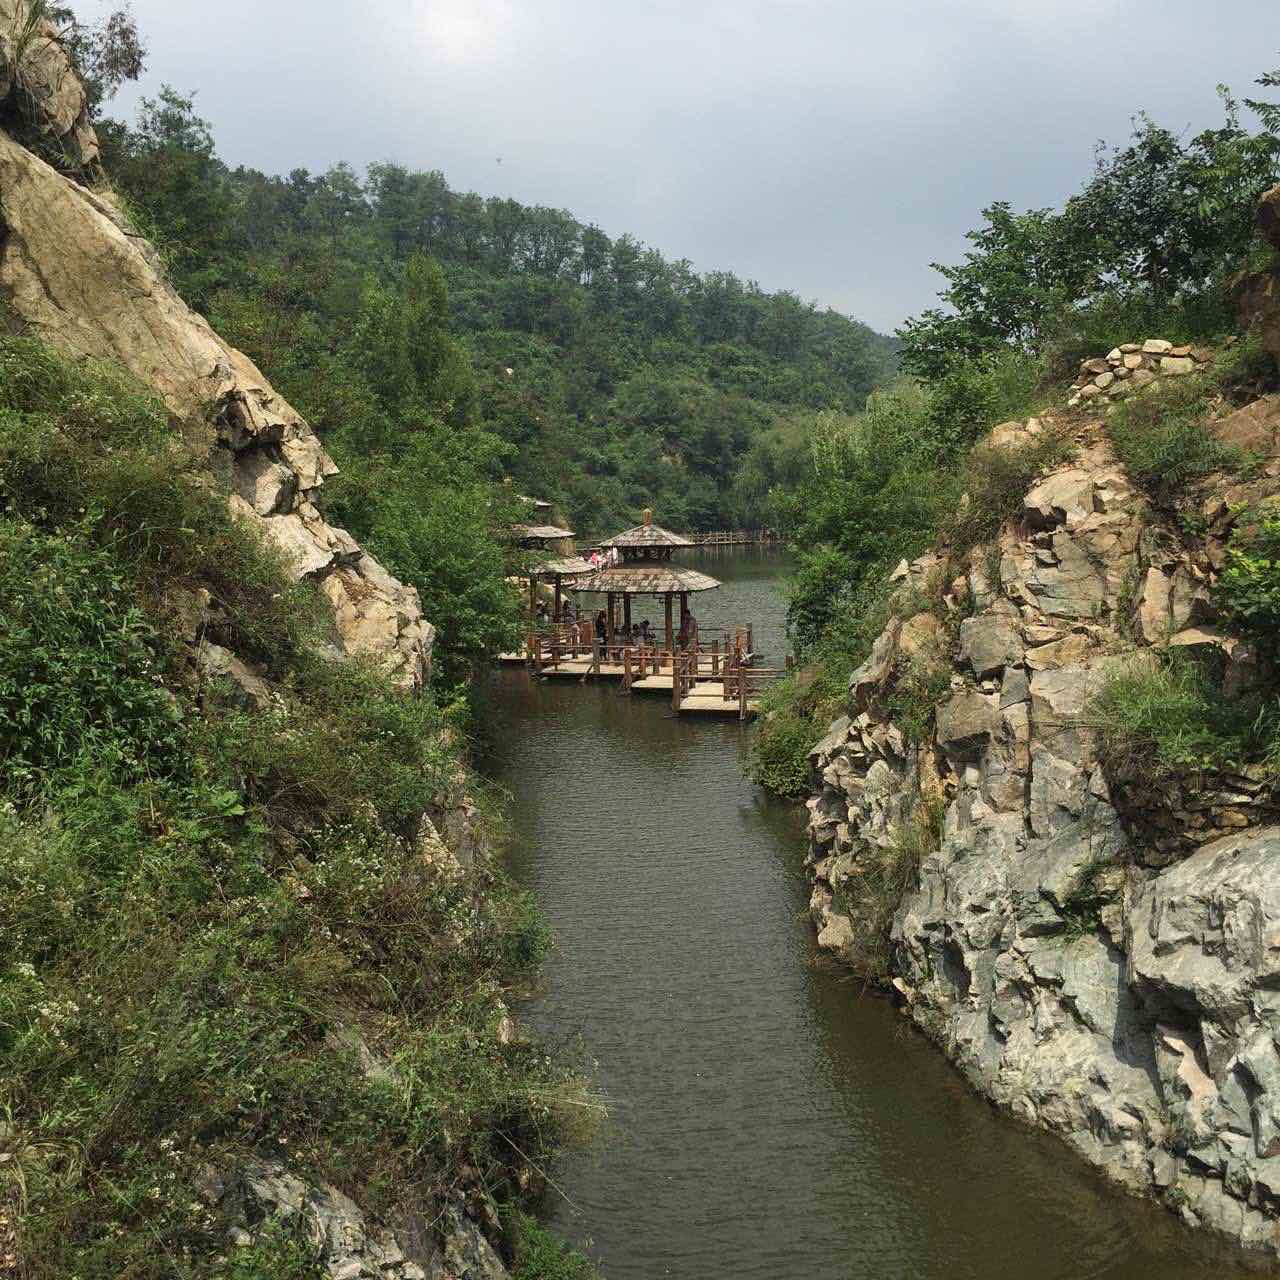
(556, 572)
(646, 570)
(545, 538)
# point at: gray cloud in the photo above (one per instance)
(832, 148)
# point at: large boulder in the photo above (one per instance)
(989, 642)
(967, 720)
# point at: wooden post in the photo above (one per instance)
(626, 670)
(626, 615)
(595, 653)
(533, 597)
(675, 683)
(608, 622)
(751, 644)
(742, 693)
(667, 610)
(684, 614)
(559, 609)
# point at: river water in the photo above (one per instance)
(767, 1117)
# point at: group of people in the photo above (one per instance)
(605, 559)
(638, 633)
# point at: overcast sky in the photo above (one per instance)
(833, 148)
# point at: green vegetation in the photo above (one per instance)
(540, 1256)
(918, 684)
(1083, 905)
(1163, 714)
(1248, 590)
(202, 907)
(1149, 243)
(1149, 247)
(607, 377)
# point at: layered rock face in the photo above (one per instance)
(74, 272)
(1099, 960)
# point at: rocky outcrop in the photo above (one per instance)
(40, 88)
(1096, 957)
(1133, 367)
(75, 273)
(341, 1238)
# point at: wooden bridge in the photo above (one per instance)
(734, 538)
(716, 675)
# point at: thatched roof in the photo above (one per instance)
(645, 579)
(540, 532)
(647, 535)
(567, 567)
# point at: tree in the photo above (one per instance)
(106, 54)
(1161, 221)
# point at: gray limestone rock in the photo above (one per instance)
(966, 721)
(989, 643)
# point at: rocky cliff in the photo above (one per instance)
(74, 272)
(1096, 955)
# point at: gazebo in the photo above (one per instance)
(543, 537)
(646, 569)
(555, 572)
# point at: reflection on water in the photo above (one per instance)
(767, 1118)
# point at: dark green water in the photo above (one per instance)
(767, 1119)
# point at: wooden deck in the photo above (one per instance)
(581, 668)
(711, 698)
(705, 682)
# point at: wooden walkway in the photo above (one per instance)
(734, 538)
(699, 682)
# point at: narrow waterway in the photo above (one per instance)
(767, 1118)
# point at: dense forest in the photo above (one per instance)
(609, 377)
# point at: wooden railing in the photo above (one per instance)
(733, 537)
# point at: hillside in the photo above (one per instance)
(612, 378)
(1047, 820)
(255, 945)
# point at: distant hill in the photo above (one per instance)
(622, 379)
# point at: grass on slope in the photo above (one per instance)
(200, 903)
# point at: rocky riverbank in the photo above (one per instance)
(1097, 952)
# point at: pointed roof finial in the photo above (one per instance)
(648, 516)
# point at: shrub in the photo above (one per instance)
(540, 1256)
(81, 445)
(1247, 592)
(974, 394)
(1163, 439)
(1162, 714)
(778, 756)
(80, 676)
